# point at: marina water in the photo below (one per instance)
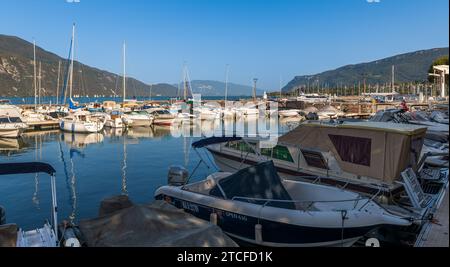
(91, 167)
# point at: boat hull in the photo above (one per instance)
(12, 130)
(140, 123)
(11, 133)
(81, 127)
(274, 233)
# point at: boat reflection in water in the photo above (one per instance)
(9, 144)
(80, 140)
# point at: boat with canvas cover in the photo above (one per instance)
(362, 156)
(254, 205)
(13, 236)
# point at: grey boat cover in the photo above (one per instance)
(260, 181)
(155, 225)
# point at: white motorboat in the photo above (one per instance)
(248, 110)
(256, 206)
(228, 113)
(206, 113)
(313, 98)
(81, 122)
(289, 113)
(115, 120)
(11, 121)
(137, 119)
(162, 116)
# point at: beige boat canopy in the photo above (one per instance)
(377, 150)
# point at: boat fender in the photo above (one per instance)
(213, 218)
(71, 239)
(258, 233)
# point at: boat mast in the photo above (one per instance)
(281, 82)
(39, 91)
(185, 83)
(124, 73)
(392, 82)
(57, 82)
(34, 66)
(254, 89)
(150, 96)
(71, 63)
(226, 82)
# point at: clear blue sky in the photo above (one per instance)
(261, 38)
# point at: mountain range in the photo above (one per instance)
(216, 88)
(17, 72)
(17, 75)
(409, 67)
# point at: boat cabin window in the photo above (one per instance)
(314, 159)
(10, 119)
(356, 150)
(278, 152)
(241, 146)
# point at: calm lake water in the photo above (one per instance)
(91, 167)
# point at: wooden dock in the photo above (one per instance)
(43, 125)
(437, 233)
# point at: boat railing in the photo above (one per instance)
(309, 202)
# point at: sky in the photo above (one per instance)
(271, 40)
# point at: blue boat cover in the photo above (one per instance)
(214, 140)
(72, 105)
(28, 167)
(260, 181)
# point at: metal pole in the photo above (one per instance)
(57, 82)
(34, 66)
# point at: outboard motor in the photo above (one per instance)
(177, 176)
(312, 116)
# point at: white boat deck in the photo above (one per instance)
(438, 233)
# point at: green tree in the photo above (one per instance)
(439, 61)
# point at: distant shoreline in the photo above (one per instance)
(52, 99)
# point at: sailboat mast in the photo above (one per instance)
(34, 66)
(124, 73)
(226, 82)
(185, 85)
(71, 62)
(57, 82)
(150, 96)
(281, 82)
(393, 81)
(39, 91)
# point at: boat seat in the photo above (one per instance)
(8, 235)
